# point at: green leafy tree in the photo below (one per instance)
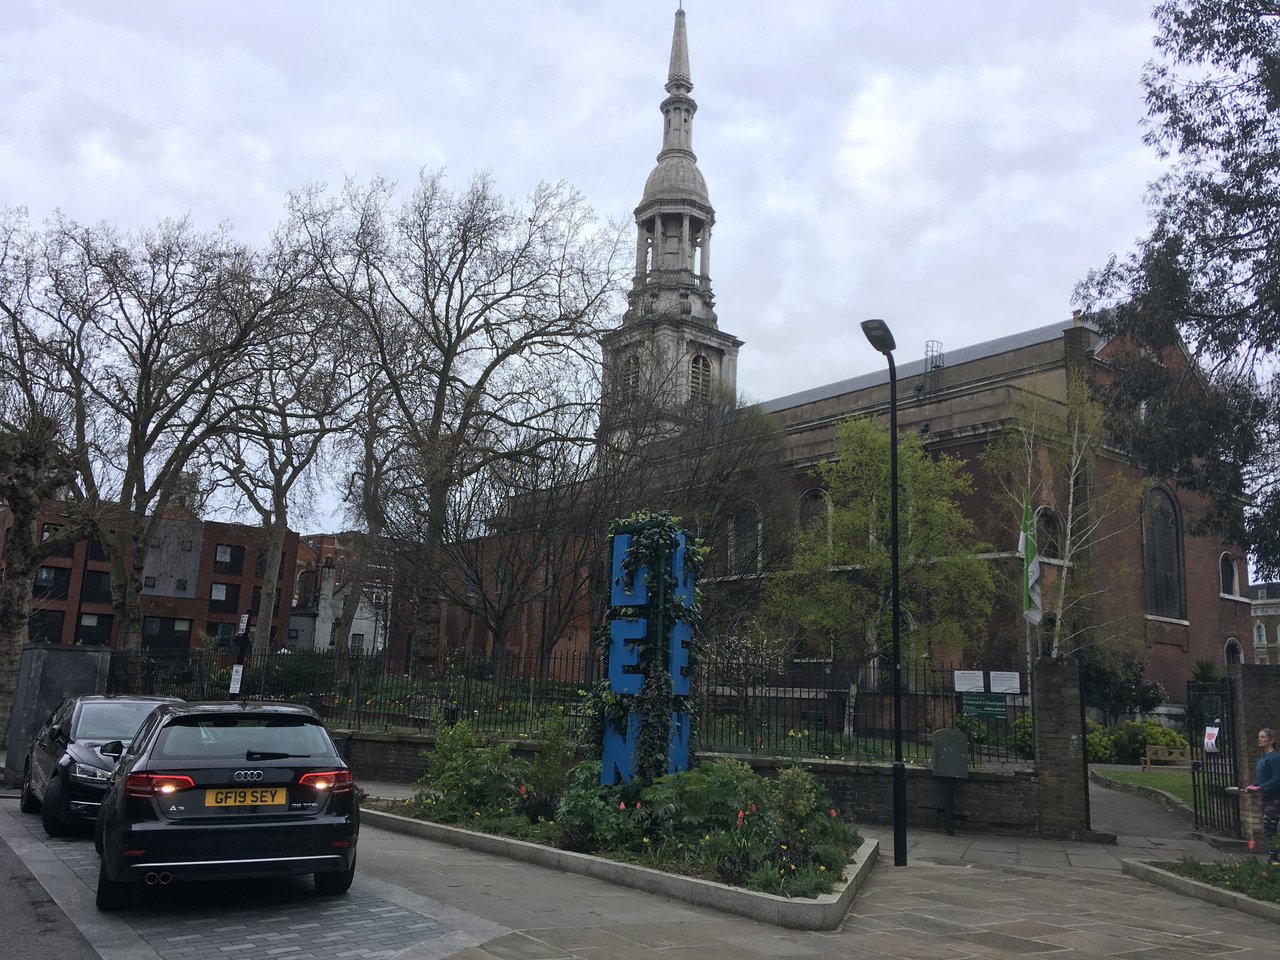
(1206, 278)
(1113, 681)
(838, 590)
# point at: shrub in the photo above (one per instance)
(1132, 738)
(463, 777)
(1022, 736)
(1100, 745)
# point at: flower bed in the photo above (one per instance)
(719, 821)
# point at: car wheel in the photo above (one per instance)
(112, 894)
(27, 801)
(51, 808)
(332, 884)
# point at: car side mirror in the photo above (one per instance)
(112, 749)
(55, 732)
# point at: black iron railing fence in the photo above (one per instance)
(806, 710)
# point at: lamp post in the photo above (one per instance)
(879, 336)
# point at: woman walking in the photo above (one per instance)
(1267, 782)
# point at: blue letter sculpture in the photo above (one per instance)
(649, 630)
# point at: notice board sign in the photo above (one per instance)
(983, 705)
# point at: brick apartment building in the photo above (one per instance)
(198, 578)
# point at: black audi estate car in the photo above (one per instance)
(227, 791)
(66, 773)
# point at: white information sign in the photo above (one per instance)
(244, 623)
(236, 673)
(1005, 682)
(1210, 739)
(969, 681)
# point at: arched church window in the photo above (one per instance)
(1048, 534)
(1227, 575)
(1164, 594)
(813, 512)
(1232, 653)
(700, 379)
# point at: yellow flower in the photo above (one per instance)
(646, 839)
(477, 813)
(793, 866)
(821, 868)
(782, 846)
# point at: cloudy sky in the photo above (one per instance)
(952, 167)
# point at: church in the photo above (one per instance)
(1183, 598)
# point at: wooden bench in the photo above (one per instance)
(1161, 754)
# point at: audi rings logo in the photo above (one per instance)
(244, 776)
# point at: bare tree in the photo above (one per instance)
(152, 333)
(1056, 453)
(297, 395)
(35, 456)
(478, 312)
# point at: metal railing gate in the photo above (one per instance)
(1216, 796)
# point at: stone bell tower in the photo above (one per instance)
(669, 355)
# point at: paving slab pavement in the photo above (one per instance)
(961, 897)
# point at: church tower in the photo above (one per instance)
(669, 354)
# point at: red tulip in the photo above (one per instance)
(523, 789)
(622, 805)
(832, 813)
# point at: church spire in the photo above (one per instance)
(669, 328)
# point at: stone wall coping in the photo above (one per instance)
(820, 913)
(1154, 873)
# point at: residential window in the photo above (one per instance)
(65, 550)
(94, 629)
(52, 583)
(148, 581)
(223, 633)
(1164, 594)
(224, 597)
(1260, 644)
(293, 633)
(45, 626)
(813, 512)
(180, 584)
(96, 587)
(228, 558)
(185, 546)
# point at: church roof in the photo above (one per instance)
(979, 351)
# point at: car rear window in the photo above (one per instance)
(111, 720)
(236, 736)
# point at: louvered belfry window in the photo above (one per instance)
(1163, 591)
(700, 378)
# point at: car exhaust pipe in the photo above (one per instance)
(152, 878)
(165, 877)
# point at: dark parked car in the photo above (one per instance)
(66, 773)
(227, 791)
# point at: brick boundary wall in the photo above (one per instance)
(1257, 705)
(1062, 801)
(1051, 800)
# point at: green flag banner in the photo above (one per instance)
(1032, 608)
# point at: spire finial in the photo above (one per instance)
(678, 74)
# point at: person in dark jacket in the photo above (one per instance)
(1267, 783)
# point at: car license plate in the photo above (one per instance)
(246, 797)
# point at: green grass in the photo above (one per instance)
(1176, 783)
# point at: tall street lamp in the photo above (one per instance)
(880, 337)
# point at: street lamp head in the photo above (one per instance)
(879, 336)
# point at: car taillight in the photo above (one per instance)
(338, 781)
(155, 784)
